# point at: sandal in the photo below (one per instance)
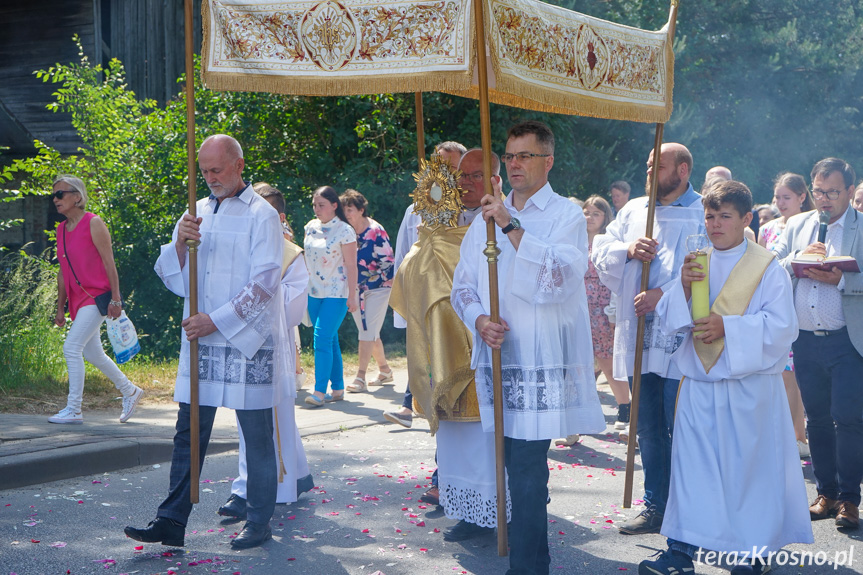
(313, 400)
(569, 441)
(357, 385)
(331, 398)
(382, 378)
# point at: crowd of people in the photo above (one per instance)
(729, 399)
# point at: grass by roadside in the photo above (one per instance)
(45, 394)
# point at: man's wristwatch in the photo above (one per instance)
(513, 224)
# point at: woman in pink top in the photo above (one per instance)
(87, 270)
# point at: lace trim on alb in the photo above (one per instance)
(470, 505)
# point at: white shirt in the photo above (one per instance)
(819, 304)
(672, 226)
(242, 365)
(547, 356)
(407, 237)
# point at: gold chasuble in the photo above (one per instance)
(735, 295)
(438, 343)
(289, 254)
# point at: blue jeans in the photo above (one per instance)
(656, 404)
(830, 374)
(327, 315)
(527, 469)
(257, 427)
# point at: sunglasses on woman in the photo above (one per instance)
(60, 193)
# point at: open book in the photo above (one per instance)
(806, 261)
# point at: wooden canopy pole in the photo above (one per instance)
(421, 135)
(639, 338)
(645, 277)
(194, 423)
(491, 252)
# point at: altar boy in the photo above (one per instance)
(736, 483)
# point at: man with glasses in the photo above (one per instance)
(618, 255)
(543, 333)
(827, 354)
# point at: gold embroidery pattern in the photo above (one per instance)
(570, 50)
(333, 35)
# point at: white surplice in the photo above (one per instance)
(672, 225)
(467, 477)
(736, 480)
(242, 365)
(406, 238)
(549, 389)
(295, 289)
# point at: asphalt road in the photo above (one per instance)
(362, 519)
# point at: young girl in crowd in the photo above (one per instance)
(791, 197)
(330, 246)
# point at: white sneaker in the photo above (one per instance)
(130, 402)
(623, 436)
(67, 415)
(803, 448)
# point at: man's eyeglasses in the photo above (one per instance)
(60, 193)
(830, 194)
(522, 157)
(476, 177)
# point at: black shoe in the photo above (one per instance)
(648, 521)
(668, 563)
(757, 567)
(305, 484)
(160, 530)
(234, 507)
(463, 531)
(622, 417)
(252, 535)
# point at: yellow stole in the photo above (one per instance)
(735, 295)
(290, 253)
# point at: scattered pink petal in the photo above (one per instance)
(58, 544)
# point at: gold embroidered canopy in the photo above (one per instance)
(543, 57)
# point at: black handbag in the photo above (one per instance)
(102, 300)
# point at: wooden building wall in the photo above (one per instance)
(34, 35)
(148, 36)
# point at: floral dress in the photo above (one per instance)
(598, 297)
(375, 258)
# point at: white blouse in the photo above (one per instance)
(324, 259)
